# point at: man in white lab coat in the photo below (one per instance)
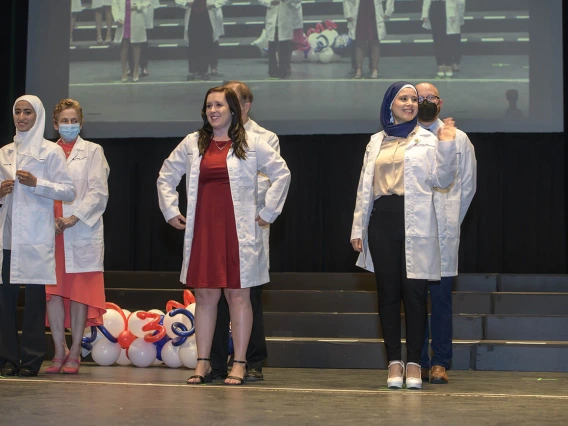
(256, 351)
(451, 206)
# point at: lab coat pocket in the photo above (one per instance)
(88, 253)
(38, 226)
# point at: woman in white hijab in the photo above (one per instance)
(33, 173)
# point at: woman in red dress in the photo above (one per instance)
(78, 299)
(222, 230)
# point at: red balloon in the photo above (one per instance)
(125, 339)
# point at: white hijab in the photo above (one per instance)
(30, 142)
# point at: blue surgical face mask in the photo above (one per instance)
(69, 132)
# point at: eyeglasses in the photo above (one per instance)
(430, 98)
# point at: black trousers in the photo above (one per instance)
(200, 39)
(279, 66)
(256, 351)
(447, 47)
(387, 246)
(32, 344)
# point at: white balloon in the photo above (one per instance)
(113, 322)
(168, 322)
(298, 56)
(126, 313)
(188, 353)
(156, 311)
(261, 43)
(191, 308)
(105, 352)
(326, 55)
(141, 353)
(123, 359)
(135, 324)
(170, 355)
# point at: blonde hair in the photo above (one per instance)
(64, 104)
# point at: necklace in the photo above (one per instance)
(220, 148)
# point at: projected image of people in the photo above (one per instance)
(298, 51)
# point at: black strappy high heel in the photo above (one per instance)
(208, 378)
(242, 380)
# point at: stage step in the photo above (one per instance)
(354, 281)
(370, 353)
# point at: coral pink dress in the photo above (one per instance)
(86, 287)
(214, 261)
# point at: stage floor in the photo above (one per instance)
(159, 396)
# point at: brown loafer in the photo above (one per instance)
(438, 376)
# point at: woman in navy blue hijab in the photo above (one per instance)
(394, 224)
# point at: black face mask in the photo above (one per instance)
(427, 111)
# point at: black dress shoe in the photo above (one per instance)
(254, 374)
(9, 370)
(27, 372)
(219, 375)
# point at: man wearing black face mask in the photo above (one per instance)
(451, 206)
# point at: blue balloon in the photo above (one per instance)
(107, 334)
(87, 341)
(342, 45)
(159, 345)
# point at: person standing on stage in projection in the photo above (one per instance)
(451, 207)
(281, 17)
(202, 30)
(256, 351)
(78, 299)
(445, 18)
(394, 224)
(366, 24)
(33, 173)
(223, 240)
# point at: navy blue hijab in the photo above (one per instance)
(401, 130)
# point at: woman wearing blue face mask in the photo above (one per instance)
(78, 299)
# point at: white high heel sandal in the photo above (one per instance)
(414, 382)
(396, 381)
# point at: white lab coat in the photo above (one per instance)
(271, 139)
(451, 204)
(84, 242)
(427, 163)
(149, 14)
(283, 16)
(455, 12)
(243, 177)
(137, 20)
(351, 10)
(33, 232)
(215, 16)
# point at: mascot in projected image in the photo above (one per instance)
(145, 338)
(322, 44)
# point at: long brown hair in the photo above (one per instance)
(236, 132)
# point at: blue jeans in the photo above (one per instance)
(441, 325)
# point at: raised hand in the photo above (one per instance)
(447, 132)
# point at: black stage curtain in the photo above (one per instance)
(516, 223)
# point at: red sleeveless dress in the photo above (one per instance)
(214, 261)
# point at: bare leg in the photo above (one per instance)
(124, 58)
(73, 20)
(359, 55)
(99, 23)
(241, 326)
(108, 16)
(205, 319)
(136, 58)
(56, 316)
(78, 320)
(375, 58)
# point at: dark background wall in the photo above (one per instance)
(516, 223)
